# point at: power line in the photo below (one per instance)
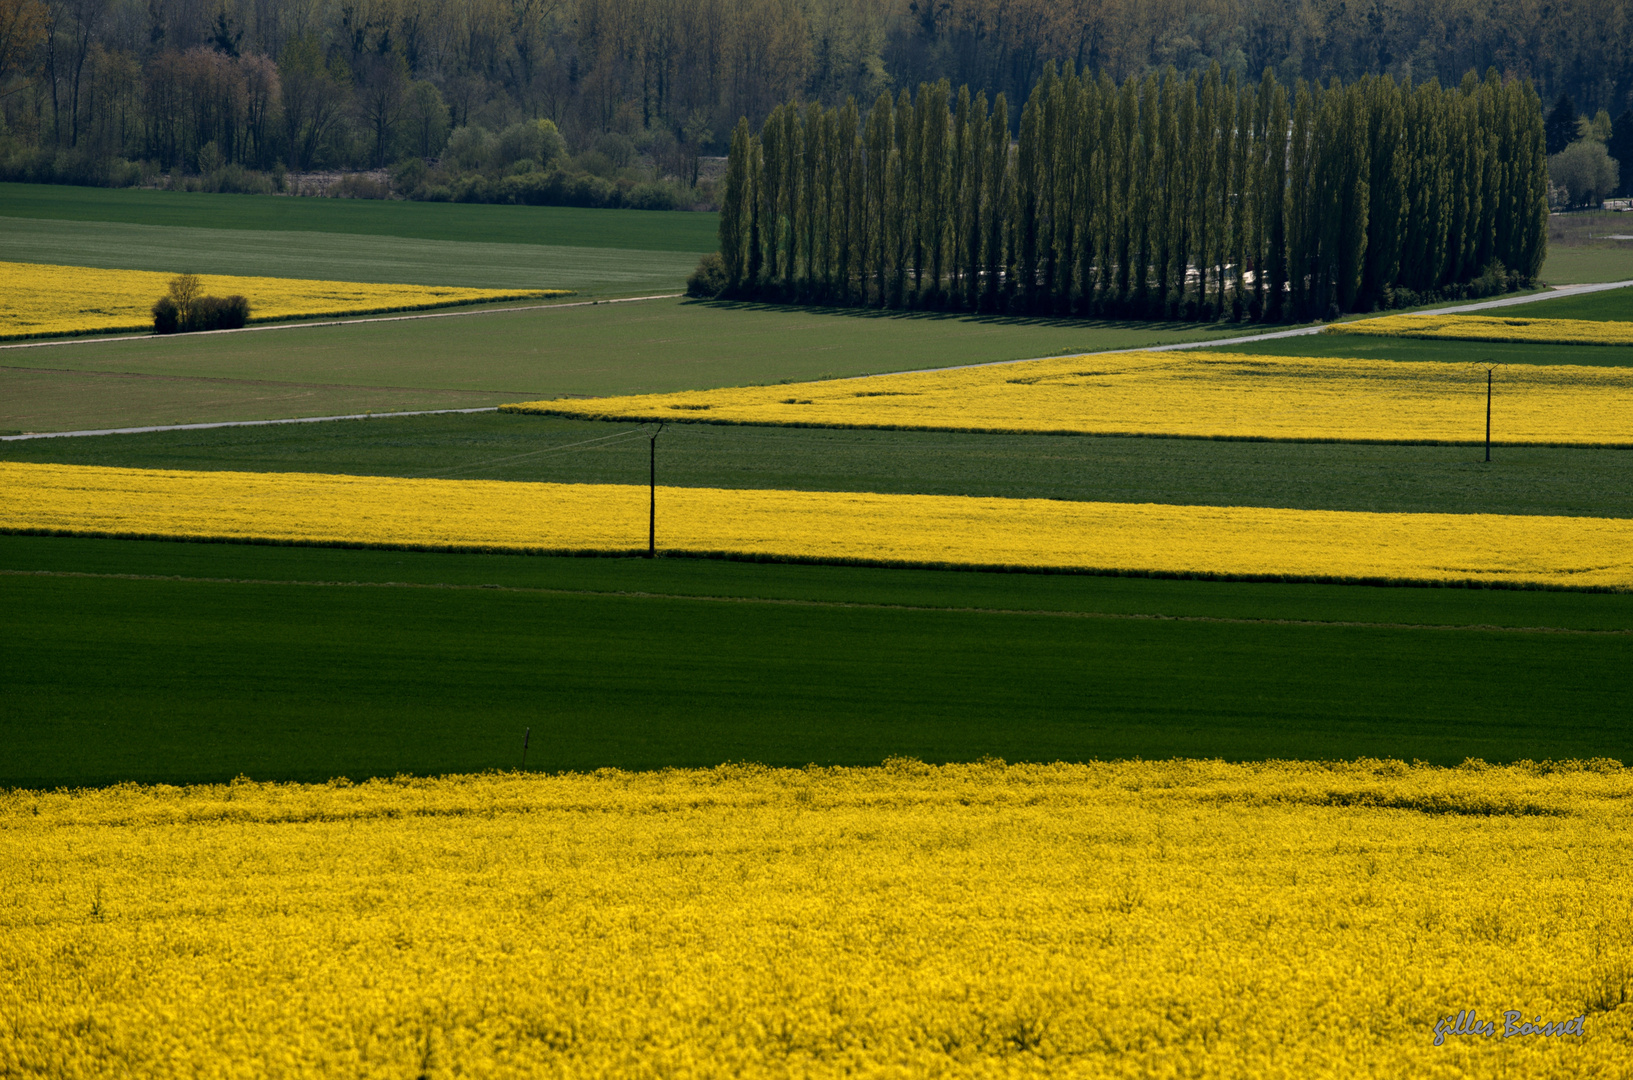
(530, 453)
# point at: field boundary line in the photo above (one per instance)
(338, 322)
(796, 602)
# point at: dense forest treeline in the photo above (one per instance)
(638, 89)
(1195, 196)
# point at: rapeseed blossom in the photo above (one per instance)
(43, 300)
(1494, 328)
(824, 526)
(1133, 919)
(1193, 394)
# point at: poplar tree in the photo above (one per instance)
(901, 189)
(1489, 124)
(995, 207)
(1144, 184)
(1219, 192)
(1070, 189)
(751, 196)
(1114, 195)
(732, 232)
(958, 180)
(1206, 152)
(811, 191)
(1240, 196)
(1386, 194)
(1182, 206)
(880, 138)
(937, 214)
(833, 204)
(1530, 204)
(1086, 164)
(792, 158)
(1164, 136)
(848, 199)
(1050, 122)
(771, 191)
(1026, 198)
(1273, 203)
(975, 168)
(1107, 209)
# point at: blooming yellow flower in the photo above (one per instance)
(43, 299)
(1211, 395)
(1493, 328)
(1131, 919)
(826, 526)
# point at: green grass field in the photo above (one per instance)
(486, 359)
(551, 226)
(115, 678)
(1583, 265)
(1374, 347)
(594, 252)
(591, 271)
(499, 446)
(1612, 304)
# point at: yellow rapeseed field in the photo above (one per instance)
(1493, 328)
(1144, 919)
(42, 299)
(829, 526)
(1222, 395)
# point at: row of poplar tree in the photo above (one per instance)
(1168, 196)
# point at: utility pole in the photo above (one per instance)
(1488, 412)
(652, 506)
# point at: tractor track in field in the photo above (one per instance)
(840, 604)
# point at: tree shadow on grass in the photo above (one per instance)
(984, 318)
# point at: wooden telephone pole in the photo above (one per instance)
(652, 506)
(1488, 412)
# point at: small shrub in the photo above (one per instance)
(658, 196)
(220, 313)
(587, 191)
(1492, 280)
(531, 188)
(709, 279)
(186, 309)
(166, 318)
(408, 175)
(473, 189)
(185, 289)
